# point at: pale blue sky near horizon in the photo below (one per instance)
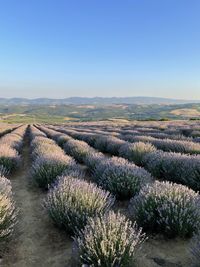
(63, 48)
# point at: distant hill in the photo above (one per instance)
(140, 100)
(27, 113)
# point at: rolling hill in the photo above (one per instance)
(140, 100)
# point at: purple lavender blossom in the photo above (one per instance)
(8, 212)
(108, 240)
(120, 177)
(71, 202)
(168, 208)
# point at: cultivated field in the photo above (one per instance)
(110, 194)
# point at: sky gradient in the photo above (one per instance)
(66, 48)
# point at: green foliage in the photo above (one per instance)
(64, 113)
(8, 211)
(109, 240)
(71, 202)
(167, 208)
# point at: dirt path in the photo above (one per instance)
(37, 242)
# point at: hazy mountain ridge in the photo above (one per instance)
(140, 100)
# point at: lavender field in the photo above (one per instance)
(107, 194)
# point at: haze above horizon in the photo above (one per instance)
(60, 49)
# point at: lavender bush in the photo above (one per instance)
(168, 208)
(14, 139)
(93, 159)
(3, 171)
(8, 211)
(182, 146)
(88, 137)
(101, 143)
(120, 177)
(49, 160)
(9, 158)
(135, 152)
(62, 139)
(107, 144)
(34, 132)
(45, 169)
(174, 167)
(75, 172)
(9, 144)
(113, 145)
(177, 146)
(44, 146)
(71, 202)
(5, 129)
(51, 133)
(136, 138)
(109, 240)
(78, 149)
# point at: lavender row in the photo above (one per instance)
(184, 128)
(136, 131)
(10, 147)
(177, 205)
(164, 207)
(74, 204)
(180, 146)
(168, 208)
(49, 160)
(81, 208)
(5, 129)
(8, 211)
(70, 200)
(175, 167)
(172, 130)
(117, 175)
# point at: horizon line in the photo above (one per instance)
(91, 97)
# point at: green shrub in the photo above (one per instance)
(8, 211)
(135, 152)
(45, 169)
(71, 202)
(168, 208)
(109, 240)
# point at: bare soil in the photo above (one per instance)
(167, 253)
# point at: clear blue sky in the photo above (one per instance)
(62, 48)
